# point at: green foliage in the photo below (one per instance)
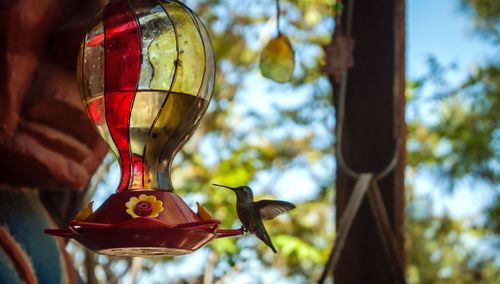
(494, 217)
(486, 14)
(463, 140)
(460, 142)
(256, 131)
(439, 254)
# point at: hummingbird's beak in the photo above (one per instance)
(220, 185)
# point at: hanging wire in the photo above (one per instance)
(278, 14)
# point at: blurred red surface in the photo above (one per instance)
(46, 139)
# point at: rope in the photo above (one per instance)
(386, 233)
(341, 114)
(278, 15)
(360, 188)
(342, 95)
(366, 185)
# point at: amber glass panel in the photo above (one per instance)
(91, 80)
(172, 129)
(176, 127)
(191, 57)
(93, 65)
(203, 94)
(209, 78)
(159, 51)
(156, 75)
(147, 105)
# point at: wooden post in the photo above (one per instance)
(374, 118)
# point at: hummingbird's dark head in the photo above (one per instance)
(242, 192)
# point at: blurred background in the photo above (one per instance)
(277, 138)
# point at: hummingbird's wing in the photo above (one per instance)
(269, 209)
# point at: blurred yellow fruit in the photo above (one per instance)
(277, 59)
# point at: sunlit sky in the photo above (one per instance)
(442, 29)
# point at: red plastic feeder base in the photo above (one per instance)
(176, 230)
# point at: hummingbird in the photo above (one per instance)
(251, 213)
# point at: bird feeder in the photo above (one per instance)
(146, 73)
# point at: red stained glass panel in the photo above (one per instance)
(122, 65)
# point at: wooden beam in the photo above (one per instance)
(374, 118)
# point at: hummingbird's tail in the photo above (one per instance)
(264, 237)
